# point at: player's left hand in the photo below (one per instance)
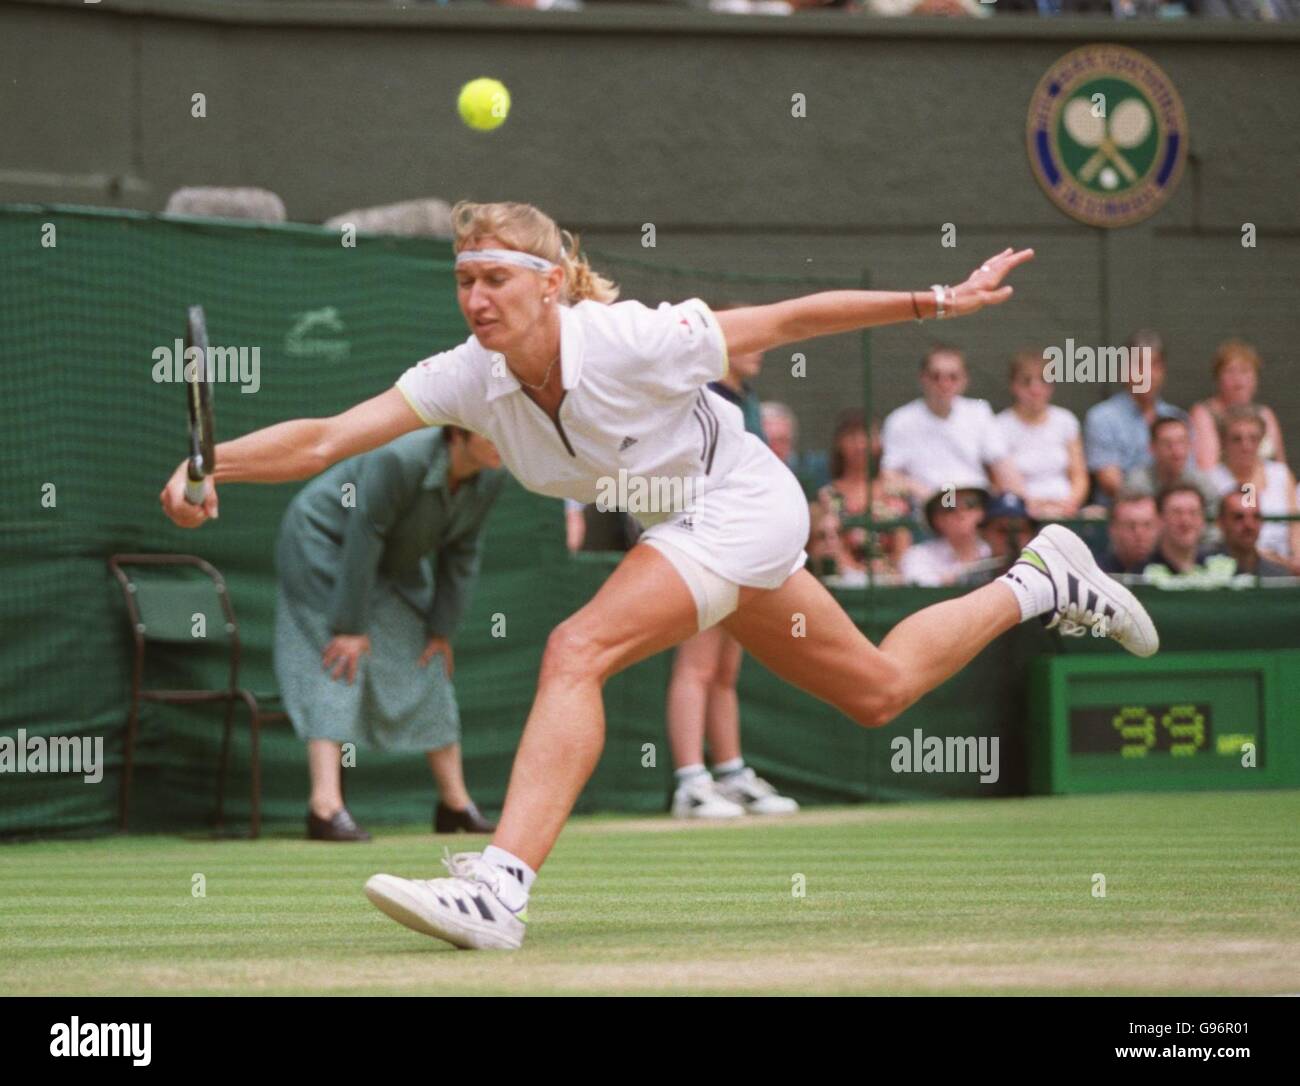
(984, 285)
(435, 646)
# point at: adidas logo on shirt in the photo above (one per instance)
(628, 442)
(686, 523)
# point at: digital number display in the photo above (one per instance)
(1184, 730)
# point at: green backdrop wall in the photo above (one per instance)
(82, 414)
(627, 116)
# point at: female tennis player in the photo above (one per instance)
(576, 391)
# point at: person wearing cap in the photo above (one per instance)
(1007, 526)
(954, 515)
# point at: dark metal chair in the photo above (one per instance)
(166, 609)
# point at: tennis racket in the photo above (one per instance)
(198, 392)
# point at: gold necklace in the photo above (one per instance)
(545, 378)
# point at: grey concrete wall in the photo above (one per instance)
(682, 119)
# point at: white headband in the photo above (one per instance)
(505, 256)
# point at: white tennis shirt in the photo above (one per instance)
(635, 401)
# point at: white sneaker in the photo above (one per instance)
(1087, 601)
(466, 910)
(754, 794)
(699, 798)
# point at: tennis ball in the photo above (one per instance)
(483, 103)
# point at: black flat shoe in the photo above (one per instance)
(445, 820)
(341, 827)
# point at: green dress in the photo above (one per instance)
(378, 545)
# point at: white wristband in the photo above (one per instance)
(938, 300)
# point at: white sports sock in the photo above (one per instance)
(1032, 587)
(725, 769)
(690, 772)
(516, 887)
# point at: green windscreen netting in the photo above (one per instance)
(88, 435)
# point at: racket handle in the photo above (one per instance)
(196, 490)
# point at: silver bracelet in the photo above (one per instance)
(938, 300)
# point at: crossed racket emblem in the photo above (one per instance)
(1126, 128)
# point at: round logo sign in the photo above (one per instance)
(1107, 135)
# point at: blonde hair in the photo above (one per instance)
(525, 228)
(1242, 412)
(1024, 361)
(1235, 348)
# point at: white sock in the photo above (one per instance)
(1032, 587)
(514, 889)
(726, 769)
(690, 772)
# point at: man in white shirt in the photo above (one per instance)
(944, 439)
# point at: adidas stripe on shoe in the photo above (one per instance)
(465, 910)
(1086, 600)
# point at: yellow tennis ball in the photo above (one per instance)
(484, 103)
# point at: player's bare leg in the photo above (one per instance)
(643, 608)
(803, 635)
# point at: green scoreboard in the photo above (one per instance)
(1102, 723)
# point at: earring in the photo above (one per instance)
(547, 301)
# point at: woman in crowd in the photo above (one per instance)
(1236, 369)
(855, 456)
(1243, 432)
(1044, 441)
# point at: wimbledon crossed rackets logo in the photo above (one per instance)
(1107, 135)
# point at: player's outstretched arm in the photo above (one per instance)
(762, 327)
(293, 450)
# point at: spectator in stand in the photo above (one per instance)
(954, 516)
(1171, 462)
(781, 432)
(1044, 441)
(1117, 431)
(1182, 528)
(702, 701)
(1007, 527)
(1271, 485)
(959, 8)
(1236, 369)
(1240, 524)
(944, 439)
(845, 496)
(1134, 529)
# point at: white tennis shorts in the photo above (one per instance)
(749, 530)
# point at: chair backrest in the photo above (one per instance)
(176, 598)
